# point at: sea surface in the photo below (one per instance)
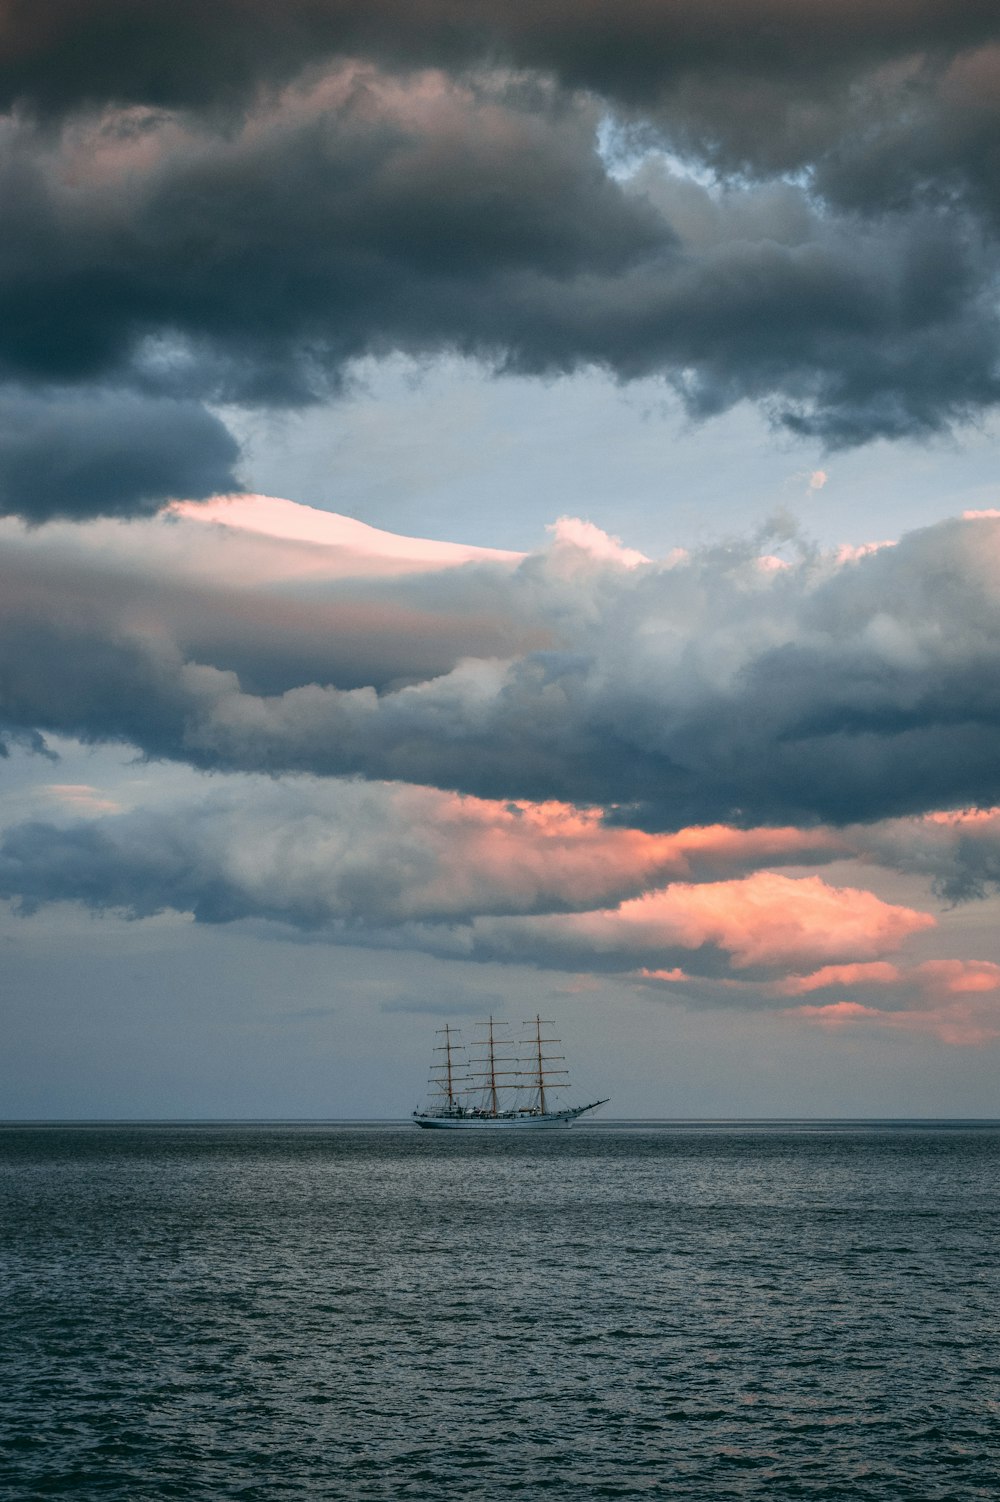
(684, 1311)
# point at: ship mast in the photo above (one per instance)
(491, 1075)
(542, 1077)
(446, 1085)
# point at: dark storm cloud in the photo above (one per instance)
(716, 689)
(881, 101)
(206, 236)
(371, 215)
(364, 218)
(70, 53)
(81, 454)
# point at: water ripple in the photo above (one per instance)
(373, 1313)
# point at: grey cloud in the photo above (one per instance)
(368, 218)
(713, 690)
(959, 857)
(29, 740)
(345, 856)
(375, 214)
(74, 454)
(348, 856)
(881, 102)
(269, 635)
(363, 890)
(219, 54)
(405, 868)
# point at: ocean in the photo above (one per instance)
(649, 1310)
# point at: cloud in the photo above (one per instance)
(80, 797)
(80, 454)
(29, 740)
(957, 1001)
(354, 607)
(412, 868)
(363, 549)
(958, 852)
(705, 690)
(578, 541)
(311, 854)
(207, 56)
(762, 924)
(252, 257)
(457, 878)
(367, 214)
(701, 915)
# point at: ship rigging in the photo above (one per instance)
(498, 1088)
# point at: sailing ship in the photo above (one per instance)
(484, 1093)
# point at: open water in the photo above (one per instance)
(683, 1312)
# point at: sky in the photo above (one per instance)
(499, 514)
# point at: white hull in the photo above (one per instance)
(502, 1123)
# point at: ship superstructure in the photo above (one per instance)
(498, 1087)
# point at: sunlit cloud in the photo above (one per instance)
(80, 797)
(705, 690)
(362, 549)
(575, 537)
(956, 1001)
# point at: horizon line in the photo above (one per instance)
(10, 1121)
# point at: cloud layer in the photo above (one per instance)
(749, 776)
(235, 201)
(198, 56)
(315, 854)
(701, 916)
(394, 866)
(682, 773)
(76, 454)
(714, 688)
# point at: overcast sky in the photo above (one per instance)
(499, 512)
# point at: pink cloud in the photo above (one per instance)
(962, 1026)
(958, 818)
(763, 920)
(553, 885)
(956, 1001)
(80, 797)
(368, 550)
(953, 977)
(768, 919)
(873, 972)
(572, 858)
(852, 552)
(835, 1013)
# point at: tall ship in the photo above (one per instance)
(497, 1088)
